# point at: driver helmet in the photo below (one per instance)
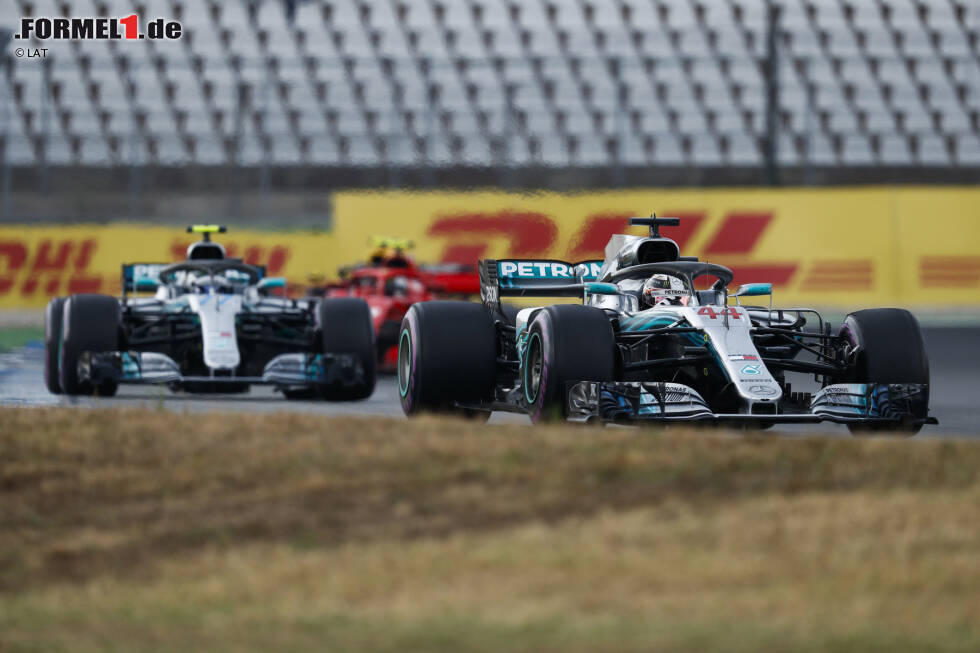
(663, 289)
(217, 283)
(396, 287)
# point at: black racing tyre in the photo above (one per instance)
(89, 323)
(891, 351)
(566, 342)
(447, 354)
(346, 328)
(52, 343)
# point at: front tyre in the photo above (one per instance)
(90, 323)
(565, 343)
(346, 328)
(890, 350)
(52, 343)
(447, 355)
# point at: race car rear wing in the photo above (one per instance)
(141, 277)
(533, 278)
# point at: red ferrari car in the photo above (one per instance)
(391, 282)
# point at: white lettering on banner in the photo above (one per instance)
(508, 268)
(524, 269)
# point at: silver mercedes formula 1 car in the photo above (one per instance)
(658, 338)
(213, 324)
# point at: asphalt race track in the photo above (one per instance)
(954, 358)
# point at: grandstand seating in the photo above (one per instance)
(501, 82)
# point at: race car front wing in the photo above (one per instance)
(285, 370)
(635, 401)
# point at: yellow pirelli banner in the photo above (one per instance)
(901, 246)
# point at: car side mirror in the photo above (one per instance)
(754, 290)
(596, 288)
(275, 286)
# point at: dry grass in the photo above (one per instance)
(142, 530)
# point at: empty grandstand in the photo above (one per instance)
(627, 87)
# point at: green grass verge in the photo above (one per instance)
(14, 337)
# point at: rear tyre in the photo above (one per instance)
(447, 355)
(565, 343)
(52, 343)
(90, 323)
(891, 351)
(346, 328)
